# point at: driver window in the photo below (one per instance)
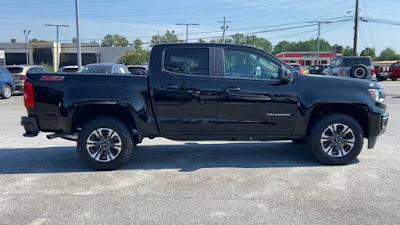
(250, 65)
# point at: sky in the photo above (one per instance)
(142, 19)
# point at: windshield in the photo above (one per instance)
(107, 69)
(15, 69)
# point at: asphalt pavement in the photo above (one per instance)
(167, 182)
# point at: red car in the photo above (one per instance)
(394, 71)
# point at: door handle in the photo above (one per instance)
(171, 87)
(232, 89)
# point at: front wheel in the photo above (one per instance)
(393, 79)
(105, 144)
(336, 139)
(6, 91)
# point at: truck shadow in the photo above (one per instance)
(186, 157)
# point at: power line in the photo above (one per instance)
(168, 12)
(56, 2)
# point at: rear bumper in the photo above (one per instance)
(30, 125)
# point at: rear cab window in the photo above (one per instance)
(187, 61)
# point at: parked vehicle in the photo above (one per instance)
(68, 69)
(394, 71)
(206, 92)
(317, 69)
(104, 68)
(7, 84)
(297, 67)
(19, 73)
(138, 69)
(381, 75)
(351, 66)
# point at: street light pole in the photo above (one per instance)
(26, 33)
(319, 36)
(187, 28)
(78, 40)
(58, 55)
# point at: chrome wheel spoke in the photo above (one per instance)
(104, 144)
(337, 140)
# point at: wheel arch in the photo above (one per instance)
(85, 113)
(359, 112)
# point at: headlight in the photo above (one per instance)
(377, 94)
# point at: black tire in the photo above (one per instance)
(393, 79)
(125, 137)
(5, 91)
(315, 137)
(355, 70)
(299, 141)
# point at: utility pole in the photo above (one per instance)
(187, 28)
(57, 54)
(224, 28)
(318, 41)
(355, 30)
(78, 39)
(26, 33)
(319, 36)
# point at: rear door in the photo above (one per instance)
(251, 99)
(184, 93)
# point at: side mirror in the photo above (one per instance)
(285, 75)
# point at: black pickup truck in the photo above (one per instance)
(205, 92)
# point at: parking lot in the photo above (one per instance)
(167, 182)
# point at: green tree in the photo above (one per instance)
(252, 40)
(302, 46)
(137, 45)
(389, 54)
(134, 57)
(201, 41)
(168, 37)
(369, 52)
(115, 40)
(282, 46)
(348, 51)
(36, 40)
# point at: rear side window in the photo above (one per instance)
(189, 61)
(349, 62)
(15, 69)
(137, 70)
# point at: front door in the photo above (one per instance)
(184, 93)
(251, 99)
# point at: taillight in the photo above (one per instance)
(372, 70)
(23, 77)
(28, 95)
(341, 72)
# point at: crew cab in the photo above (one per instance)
(205, 92)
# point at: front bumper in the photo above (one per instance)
(30, 125)
(378, 123)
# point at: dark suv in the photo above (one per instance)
(352, 66)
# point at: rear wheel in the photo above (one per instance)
(336, 139)
(6, 91)
(105, 144)
(393, 79)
